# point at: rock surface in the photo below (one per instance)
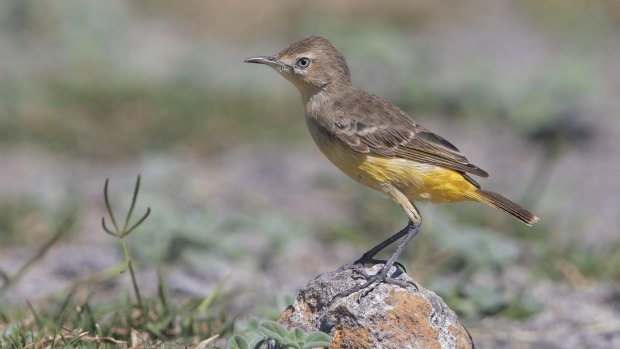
(386, 316)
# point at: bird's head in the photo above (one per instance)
(312, 64)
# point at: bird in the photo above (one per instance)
(379, 145)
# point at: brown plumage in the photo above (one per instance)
(357, 122)
(378, 144)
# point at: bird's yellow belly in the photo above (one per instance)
(417, 181)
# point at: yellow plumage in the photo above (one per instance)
(418, 181)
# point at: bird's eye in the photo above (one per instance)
(303, 62)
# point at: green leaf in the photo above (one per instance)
(297, 335)
(289, 343)
(202, 307)
(238, 342)
(317, 340)
(273, 330)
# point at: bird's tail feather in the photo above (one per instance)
(494, 199)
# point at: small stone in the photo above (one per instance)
(386, 316)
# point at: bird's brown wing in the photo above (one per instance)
(369, 124)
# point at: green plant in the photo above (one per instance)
(125, 231)
(273, 336)
(84, 323)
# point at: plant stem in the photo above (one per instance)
(129, 266)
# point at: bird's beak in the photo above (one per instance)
(267, 60)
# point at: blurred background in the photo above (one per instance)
(528, 90)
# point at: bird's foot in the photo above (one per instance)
(383, 275)
(359, 265)
(372, 281)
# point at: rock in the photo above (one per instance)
(386, 316)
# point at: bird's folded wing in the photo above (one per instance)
(396, 135)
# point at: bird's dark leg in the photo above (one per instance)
(382, 275)
(412, 228)
(368, 256)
